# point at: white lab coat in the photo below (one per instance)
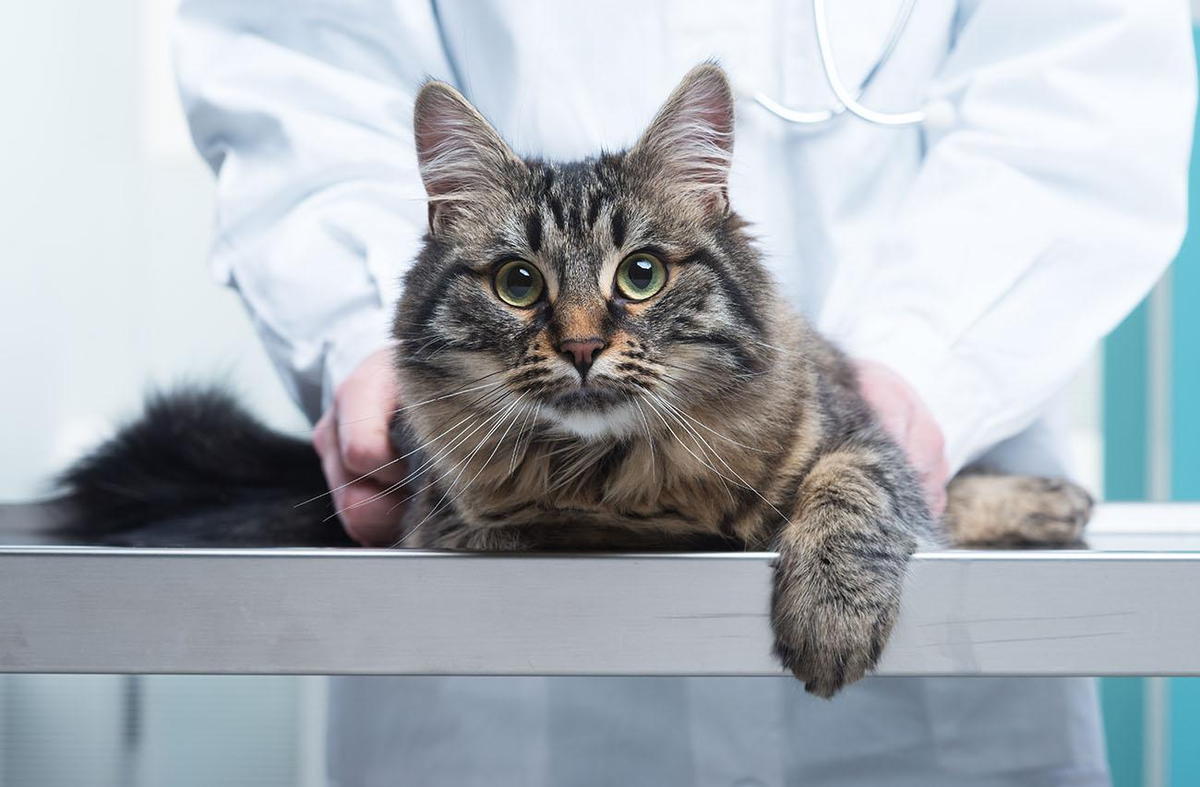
(981, 256)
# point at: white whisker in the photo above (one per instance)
(420, 470)
(680, 411)
(649, 441)
(441, 504)
(683, 445)
(530, 423)
(383, 466)
(744, 483)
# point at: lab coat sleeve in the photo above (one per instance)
(303, 111)
(1041, 214)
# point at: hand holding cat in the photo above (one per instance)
(906, 418)
(356, 453)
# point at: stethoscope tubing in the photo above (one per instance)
(848, 101)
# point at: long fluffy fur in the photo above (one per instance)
(197, 470)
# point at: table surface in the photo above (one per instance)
(1127, 606)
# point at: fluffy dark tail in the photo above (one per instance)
(198, 470)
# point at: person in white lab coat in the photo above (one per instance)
(971, 262)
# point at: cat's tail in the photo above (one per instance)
(197, 470)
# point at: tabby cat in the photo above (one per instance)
(594, 357)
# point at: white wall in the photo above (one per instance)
(104, 219)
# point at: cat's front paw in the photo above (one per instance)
(832, 641)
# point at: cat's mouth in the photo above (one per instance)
(592, 412)
(587, 398)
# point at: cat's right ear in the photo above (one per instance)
(690, 141)
(460, 155)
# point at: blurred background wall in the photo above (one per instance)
(105, 214)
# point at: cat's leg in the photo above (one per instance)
(988, 509)
(496, 539)
(842, 559)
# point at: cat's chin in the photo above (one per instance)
(594, 423)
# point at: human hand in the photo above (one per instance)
(360, 465)
(906, 418)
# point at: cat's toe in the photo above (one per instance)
(1055, 514)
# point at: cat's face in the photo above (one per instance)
(612, 293)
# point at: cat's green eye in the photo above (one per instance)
(519, 284)
(640, 276)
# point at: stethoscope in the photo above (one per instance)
(851, 101)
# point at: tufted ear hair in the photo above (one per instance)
(459, 153)
(691, 139)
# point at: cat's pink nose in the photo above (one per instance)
(581, 352)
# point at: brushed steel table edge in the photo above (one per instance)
(82, 609)
(330, 553)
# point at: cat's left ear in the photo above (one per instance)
(691, 138)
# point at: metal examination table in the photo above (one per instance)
(1128, 606)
